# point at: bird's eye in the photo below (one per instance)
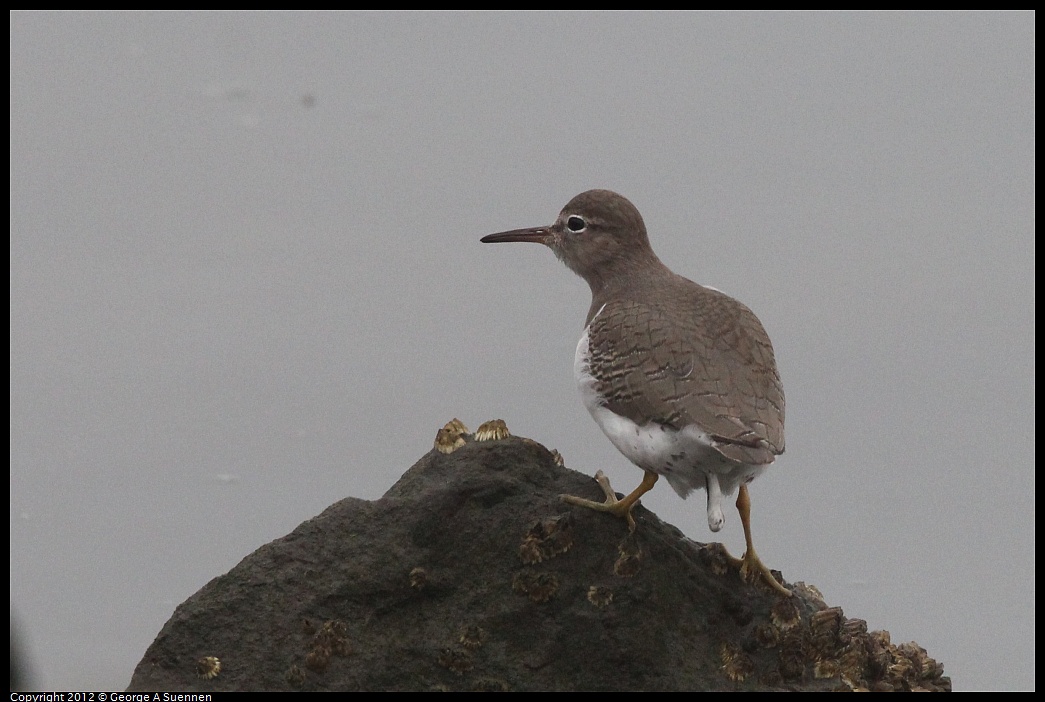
(576, 224)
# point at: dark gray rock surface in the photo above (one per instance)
(471, 574)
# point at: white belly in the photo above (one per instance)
(684, 457)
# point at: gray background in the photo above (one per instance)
(246, 282)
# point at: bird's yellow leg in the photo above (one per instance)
(621, 508)
(751, 566)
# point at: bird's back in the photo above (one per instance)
(685, 355)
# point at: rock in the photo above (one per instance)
(471, 574)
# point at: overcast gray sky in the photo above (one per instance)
(246, 282)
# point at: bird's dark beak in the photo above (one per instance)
(537, 235)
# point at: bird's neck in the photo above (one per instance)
(634, 278)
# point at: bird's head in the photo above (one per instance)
(598, 235)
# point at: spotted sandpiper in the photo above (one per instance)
(679, 376)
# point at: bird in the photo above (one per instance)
(680, 377)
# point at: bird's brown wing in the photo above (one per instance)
(707, 362)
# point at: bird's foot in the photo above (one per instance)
(620, 508)
(752, 568)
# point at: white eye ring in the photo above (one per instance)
(576, 224)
